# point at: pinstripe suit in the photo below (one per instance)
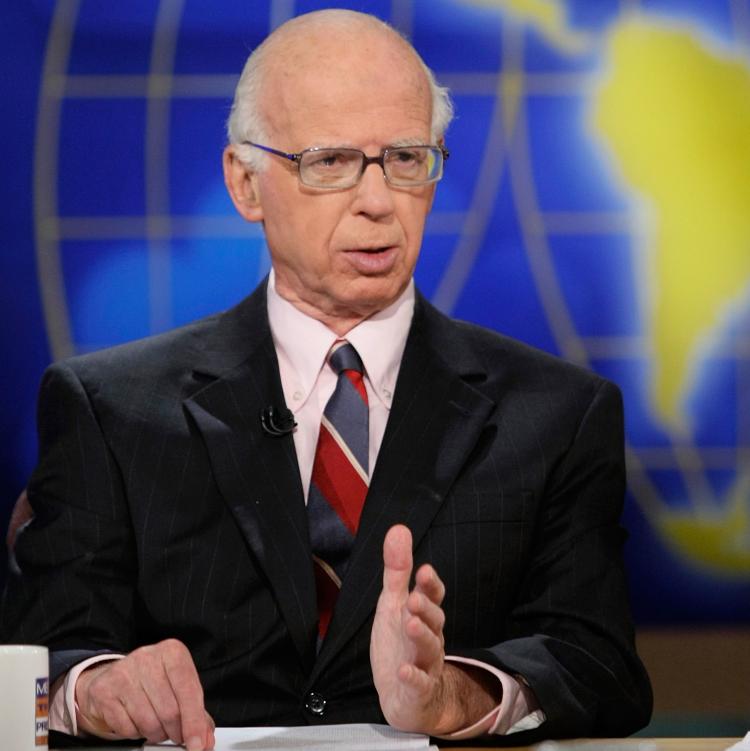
(163, 510)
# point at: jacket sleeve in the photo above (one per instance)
(570, 633)
(74, 590)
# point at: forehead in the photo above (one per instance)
(367, 87)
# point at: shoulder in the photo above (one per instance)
(210, 345)
(143, 358)
(506, 362)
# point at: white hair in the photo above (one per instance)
(246, 121)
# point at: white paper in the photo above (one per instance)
(359, 737)
(587, 744)
(742, 745)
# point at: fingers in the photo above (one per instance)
(186, 695)
(426, 598)
(427, 614)
(423, 603)
(425, 624)
(423, 617)
(210, 740)
(397, 560)
(430, 583)
(105, 715)
(154, 693)
(419, 681)
(112, 705)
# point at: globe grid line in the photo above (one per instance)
(134, 227)
(156, 158)
(280, 11)
(402, 17)
(46, 145)
(716, 457)
(443, 222)
(690, 462)
(585, 223)
(740, 11)
(536, 246)
(143, 86)
(503, 121)
(222, 85)
(626, 347)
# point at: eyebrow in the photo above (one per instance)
(408, 142)
(397, 144)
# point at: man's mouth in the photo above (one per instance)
(373, 259)
(381, 249)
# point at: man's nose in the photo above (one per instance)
(373, 195)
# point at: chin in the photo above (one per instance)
(368, 298)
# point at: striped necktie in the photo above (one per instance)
(339, 478)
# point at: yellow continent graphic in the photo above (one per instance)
(720, 541)
(676, 116)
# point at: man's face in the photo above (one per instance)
(341, 255)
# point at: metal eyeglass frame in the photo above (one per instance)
(366, 162)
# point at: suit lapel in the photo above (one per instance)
(257, 473)
(435, 422)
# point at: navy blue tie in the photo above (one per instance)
(339, 482)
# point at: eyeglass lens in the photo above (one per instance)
(412, 165)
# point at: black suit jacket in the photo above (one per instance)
(164, 510)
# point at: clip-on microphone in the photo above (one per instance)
(277, 422)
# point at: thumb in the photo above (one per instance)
(397, 560)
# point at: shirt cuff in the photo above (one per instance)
(63, 707)
(518, 709)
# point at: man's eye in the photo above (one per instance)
(329, 159)
(325, 160)
(405, 156)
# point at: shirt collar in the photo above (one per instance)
(302, 344)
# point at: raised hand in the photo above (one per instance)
(418, 690)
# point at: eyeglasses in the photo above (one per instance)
(339, 168)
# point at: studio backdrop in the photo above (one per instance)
(596, 204)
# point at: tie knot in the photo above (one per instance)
(344, 357)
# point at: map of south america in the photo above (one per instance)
(675, 116)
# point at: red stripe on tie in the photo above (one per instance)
(358, 382)
(326, 592)
(338, 481)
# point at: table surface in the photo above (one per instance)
(601, 744)
(628, 744)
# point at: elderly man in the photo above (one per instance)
(228, 516)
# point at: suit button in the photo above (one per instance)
(316, 703)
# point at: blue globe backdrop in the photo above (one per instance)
(116, 222)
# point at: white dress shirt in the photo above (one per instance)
(302, 344)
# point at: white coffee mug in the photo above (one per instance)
(24, 697)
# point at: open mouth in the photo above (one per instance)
(375, 259)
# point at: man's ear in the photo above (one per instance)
(242, 184)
